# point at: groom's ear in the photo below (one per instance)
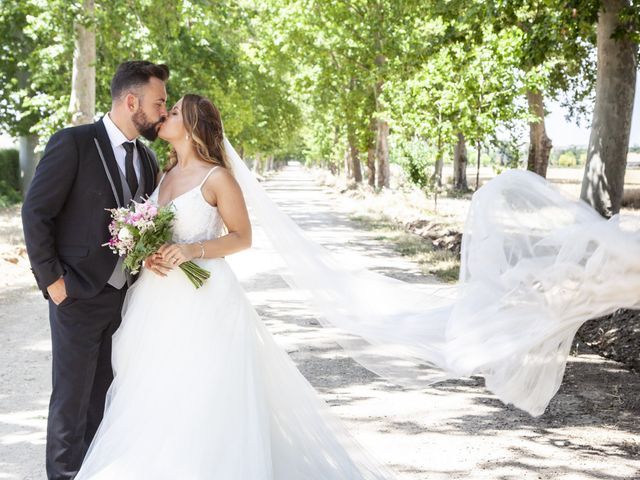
(132, 102)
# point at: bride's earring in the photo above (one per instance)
(188, 137)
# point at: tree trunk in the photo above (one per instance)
(28, 160)
(354, 159)
(371, 165)
(437, 171)
(257, 163)
(334, 161)
(82, 105)
(371, 154)
(382, 155)
(603, 181)
(539, 143)
(382, 127)
(27, 157)
(347, 165)
(270, 163)
(460, 162)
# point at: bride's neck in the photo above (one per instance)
(185, 155)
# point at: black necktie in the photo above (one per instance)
(130, 173)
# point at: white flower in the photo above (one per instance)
(124, 234)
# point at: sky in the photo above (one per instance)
(563, 133)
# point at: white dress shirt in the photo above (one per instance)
(117, 138)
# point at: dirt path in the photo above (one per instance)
(454, 430)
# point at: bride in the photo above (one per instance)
(202, 391)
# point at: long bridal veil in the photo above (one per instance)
(535, 265)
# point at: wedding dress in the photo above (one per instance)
(201, 390)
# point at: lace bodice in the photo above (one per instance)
(195, 220)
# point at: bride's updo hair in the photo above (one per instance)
(203, 124)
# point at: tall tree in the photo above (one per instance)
(553, 52)
(603, 181)
(33, 84)
(460, 162)
(339, 42)
(554, 49)
(539, 142)
(82, 105)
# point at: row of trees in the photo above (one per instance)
(58, 57)
(350, 83)
(454, 72)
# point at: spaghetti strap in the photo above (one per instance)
(207, 176)
(162, 178)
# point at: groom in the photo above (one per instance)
(85, 170)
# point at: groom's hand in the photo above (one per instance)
(57, 291)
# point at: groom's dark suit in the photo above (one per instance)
(65, 224)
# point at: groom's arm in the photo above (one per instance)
(47, 194)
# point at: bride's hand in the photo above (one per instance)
(177, 253)
(156, 264)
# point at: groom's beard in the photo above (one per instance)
(146, 128)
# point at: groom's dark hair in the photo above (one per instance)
(134, 74)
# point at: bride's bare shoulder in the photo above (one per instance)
(221, 176)
(219, 182)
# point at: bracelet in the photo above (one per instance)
(202, 248)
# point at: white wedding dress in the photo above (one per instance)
(202, 391)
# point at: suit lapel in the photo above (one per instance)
(109, 157)
(147, 168)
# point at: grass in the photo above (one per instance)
(443, 264)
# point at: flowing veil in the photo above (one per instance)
(535, 265)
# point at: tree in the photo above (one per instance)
(539, 143)
(82, 105)
(460, 162)
(33, 84)
(603, 181)
(346, 53)
(49, 46)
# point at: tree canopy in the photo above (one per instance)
(350, 84)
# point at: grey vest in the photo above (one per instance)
(119, 277)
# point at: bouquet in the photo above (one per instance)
(139, 231)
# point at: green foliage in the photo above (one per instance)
(510, 151)
(218, 50)
(416, 160)
(35, 65)
(305, 79)
(567, 159)
(9, 177)
(10, 167)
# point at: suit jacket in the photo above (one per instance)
(64, 213)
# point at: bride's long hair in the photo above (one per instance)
(203, 123)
